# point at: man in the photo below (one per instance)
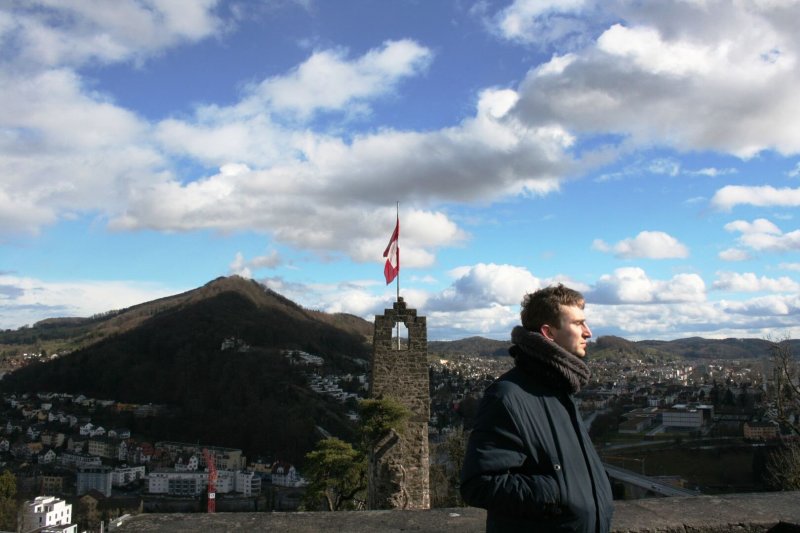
(529, 460)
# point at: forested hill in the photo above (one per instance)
(611, 347)
(474, 346)
(242, 397)
(57, 335)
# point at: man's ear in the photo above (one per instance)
(547, 331)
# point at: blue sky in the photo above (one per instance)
(645, 153)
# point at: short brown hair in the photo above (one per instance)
(543, 306)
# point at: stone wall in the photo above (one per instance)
(399, 464)
(775, 512)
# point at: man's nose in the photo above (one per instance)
(587, 333)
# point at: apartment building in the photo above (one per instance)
(47, 512)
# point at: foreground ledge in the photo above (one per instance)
(777, 512)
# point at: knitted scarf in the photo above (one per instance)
(537, 355)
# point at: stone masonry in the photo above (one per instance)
(399, 463)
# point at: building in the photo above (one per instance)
(760, 431)
(690, 416)
(94, 478)
(47, 512)
(248, 483)
(104, 447)
(93, 508)
(77, 460)
(192, 483)
(52, 484)
(54, 439)
(224, 458)
(169, 481)
(126, 474)
(285, 475)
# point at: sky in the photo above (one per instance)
(646, 153)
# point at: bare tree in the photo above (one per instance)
(783, 466)
(786, 390)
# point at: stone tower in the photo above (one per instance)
(399, 464)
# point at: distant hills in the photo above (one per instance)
(611, 347)
(57, 335)
(473, 346)
(170, 351)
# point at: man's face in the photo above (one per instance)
(572, 333)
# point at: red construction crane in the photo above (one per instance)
(212, 481)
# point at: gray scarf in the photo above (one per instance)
(533, 352)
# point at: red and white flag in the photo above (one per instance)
(392, 255)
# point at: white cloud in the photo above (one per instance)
(645, 47)
(763, 196)
(632, 285)
(790, 266)
(238, 267)
(670, 167)
(58, 157)
(763, 235)
(105, 32)
(766, 306)
(484, 300)
(25, 300)
(646, 245)
(327, 81)
(713, 172)
(749, 282)
(343, 186)
(493, 322)
(485, 285)
(734, 254)
(64, 150)
(540, 21)
(669, 74)
(244, 267)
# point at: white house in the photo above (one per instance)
(285, 475)
(126, 474)
(192, 463)
(33, 432)
(50, 512)
(119, 433)
(248, 483)
(48, 457)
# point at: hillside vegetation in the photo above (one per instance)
(251, 399)
(610, 347)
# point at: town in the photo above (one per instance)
(67, 446)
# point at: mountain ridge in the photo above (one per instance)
(67, 334)
(246, 394)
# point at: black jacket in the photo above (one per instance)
(530, 461)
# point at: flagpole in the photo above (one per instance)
(397, 222)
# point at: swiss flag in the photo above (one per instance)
(392, 255)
